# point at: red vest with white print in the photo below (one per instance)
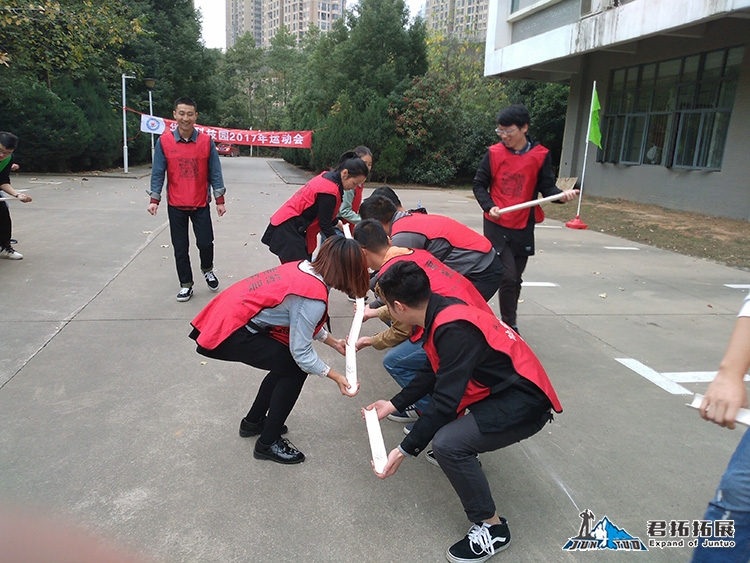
(303, 199)
(514, 179)
(443, 281)
(500, 337)
(187, 170)
(240, 302)
(434, 227)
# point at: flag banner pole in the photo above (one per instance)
(594, 135)
(531, 203)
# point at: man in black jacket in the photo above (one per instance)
(477, 362)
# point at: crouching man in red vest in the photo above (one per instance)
(479, 363)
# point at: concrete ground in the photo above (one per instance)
(110, 419)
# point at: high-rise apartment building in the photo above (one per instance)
(243, 16)
(263, 18)
(462, 19)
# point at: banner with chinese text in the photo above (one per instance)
(251, 137)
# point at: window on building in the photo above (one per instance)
(673, 113)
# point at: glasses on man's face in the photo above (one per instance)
(502, 132)
(5, 153)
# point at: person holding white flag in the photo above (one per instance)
(8, 142)
(513, 171)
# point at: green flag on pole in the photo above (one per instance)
(595, 133)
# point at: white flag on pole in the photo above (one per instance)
(151, 124)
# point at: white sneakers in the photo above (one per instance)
(10, 254)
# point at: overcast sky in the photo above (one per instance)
(214, 28)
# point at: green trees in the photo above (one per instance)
(420, 102)
(60, 75)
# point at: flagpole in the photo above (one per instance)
(586, 150)
(577, 223)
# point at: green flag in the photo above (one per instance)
(595, 133)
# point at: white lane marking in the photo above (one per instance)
(540, 284)
(737, 285)
(549, 226)
(621, 248)
(693, 376)
(654, 376)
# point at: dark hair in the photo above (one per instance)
(405, 282)
(184, 100)
(385, 191)
(517, 115)
(8, 140)
(362, 150)
(342, 265)
(371, 235)
(377, 207)
(350, 162)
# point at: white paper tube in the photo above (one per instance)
(531, 203)
(743, 415)
(347, 231)
(377, 445)
(351, 351)
(11, 197)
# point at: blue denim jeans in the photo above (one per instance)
(732, 502)
(402, 362)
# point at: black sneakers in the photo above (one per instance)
(482, 542)
(211, 280)
(281, 451)
(185, 294)
(248, 429)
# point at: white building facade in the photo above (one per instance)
(673, 79)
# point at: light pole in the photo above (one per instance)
(124, 125)
(150, 83)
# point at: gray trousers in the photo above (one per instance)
(456, 446)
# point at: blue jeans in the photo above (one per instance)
(402, 362)
(732, 502)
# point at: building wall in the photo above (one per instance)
(263, 18)
(462, 19)
(723, 193)
(243, 16)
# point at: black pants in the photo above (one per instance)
(5, 225)
(278, 391)
(510, 287)
(513, 266)
(456, 446)
(204, 239)
(488, 280)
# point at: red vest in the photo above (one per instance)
(434, 227)
(304, 198)
(500, 337)
(514, 178)
(187, 170)
(443, 281)
(240, 302)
